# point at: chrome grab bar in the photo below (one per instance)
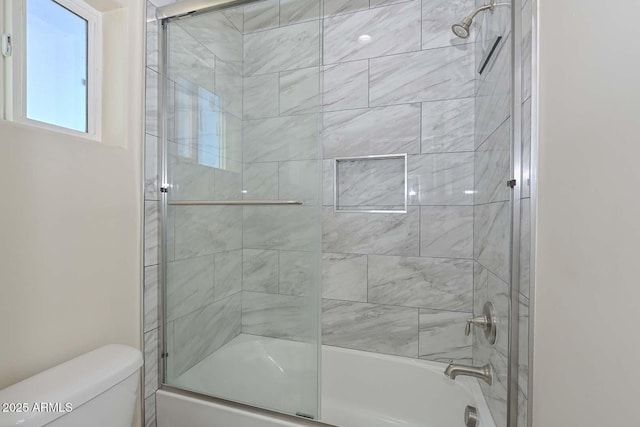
(233, 202)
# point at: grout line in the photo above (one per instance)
(367, 262)
(410, 307)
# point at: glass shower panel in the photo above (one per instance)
(493, 201)
(242, 211)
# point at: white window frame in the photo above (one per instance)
(15, 108)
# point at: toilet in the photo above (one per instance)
(97, 389)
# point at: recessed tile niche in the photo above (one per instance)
(376, 184)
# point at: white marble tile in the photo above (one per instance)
(260, 181)
(327, 182)
(150, 309)
(370, 327)
(491, 237)
(344, 277)
(437, 18)
(429, 75)
(294, 228)
(151, 102)
(170, 110)
(169, 369)
(299, 272)
(370, 131)
(434, 283)
(261, 15)
(299, 180)
(236, 16)
(300, 91)
(228, 273)
(151, 30)
(365, 233)
(441, 179)
(493, 98)
(523, 346)
(207, 230)
(170, 227)
(289, 48)
(336, 7)
(367, 184)
(498, 294)
(228, 86)
(151, 175)
(527, 31)
(217, 33)
(525, 247)
(294, 11)
(526, 148)
(199, 334)
(228, 185)
(392, 29)
(281, 138)
(189, 62)
(231, 137)
(150, 411)
(378, 3)
(190, 180)
(480, 286)
(496, 394)
(346, 85)
(151, 347)
(448, 126)
(523, 410)
(260, 270)
(189, 286)
(261, 96)
(493, 167)
(446, 231)
(151, 233)
(442, 336)
(278, 316)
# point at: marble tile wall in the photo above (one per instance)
(407, 87)
(396, 81)
(281, 116)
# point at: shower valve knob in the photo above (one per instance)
(487, 321)
(480, 321)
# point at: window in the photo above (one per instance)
(52, 67)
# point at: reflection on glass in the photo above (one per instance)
(200, 129)
(56, 63)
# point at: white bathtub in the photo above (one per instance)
(359, 389)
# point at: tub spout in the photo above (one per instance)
(483, 372)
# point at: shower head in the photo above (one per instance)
(462, 29)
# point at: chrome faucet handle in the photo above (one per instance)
(487, 321)
(480, 321)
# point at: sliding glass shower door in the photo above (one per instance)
(241, 211)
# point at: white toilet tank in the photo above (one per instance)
(97, 389)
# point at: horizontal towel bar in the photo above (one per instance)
(233, 202)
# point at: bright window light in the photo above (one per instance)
(56, 65)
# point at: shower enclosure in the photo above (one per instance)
(341, 175)
(242, 211)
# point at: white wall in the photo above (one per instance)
(587, 333)
(70, 227)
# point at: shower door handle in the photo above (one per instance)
(234, 203)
